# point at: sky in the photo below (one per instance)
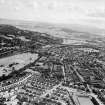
(86, 12)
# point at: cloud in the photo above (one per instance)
(98, 13)
(58, 11)
(35, 4)
(2, 1)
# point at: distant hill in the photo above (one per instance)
(71, 34)
(75, 27)
(11, 36)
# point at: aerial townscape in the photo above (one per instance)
(44, 64)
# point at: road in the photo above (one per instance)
(50, 91)
(91, 93)
(81, 78)
(16, 83)
(95, 96)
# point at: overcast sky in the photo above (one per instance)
(88, 12)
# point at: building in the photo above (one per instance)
(84, 100)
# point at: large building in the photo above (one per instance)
(84, 100)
